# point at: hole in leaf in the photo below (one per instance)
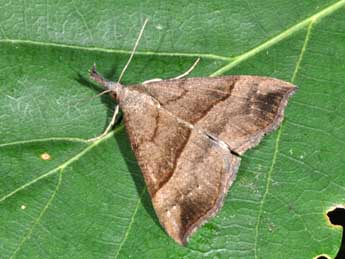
(337, 218)
(322, 257)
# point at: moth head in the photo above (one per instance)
(110, 87)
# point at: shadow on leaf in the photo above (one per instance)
(132, 165)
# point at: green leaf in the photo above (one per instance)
(89, 200)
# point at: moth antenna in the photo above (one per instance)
(133, 51)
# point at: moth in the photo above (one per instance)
(188, 135)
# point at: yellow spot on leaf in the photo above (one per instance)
(45, 156)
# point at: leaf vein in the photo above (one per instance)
(125, 237)
(37, 221)
(62, 166)
(83, 20)
(20, 142)
(307, 37)
(117, 51)
(281, 36)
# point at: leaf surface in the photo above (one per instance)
(89, 200)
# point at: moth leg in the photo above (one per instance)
(188, 71)
(152, 80)
(177, 77)
(110, 125)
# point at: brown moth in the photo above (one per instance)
(188, 135)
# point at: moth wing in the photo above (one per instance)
(186, 172)
(239, 110)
